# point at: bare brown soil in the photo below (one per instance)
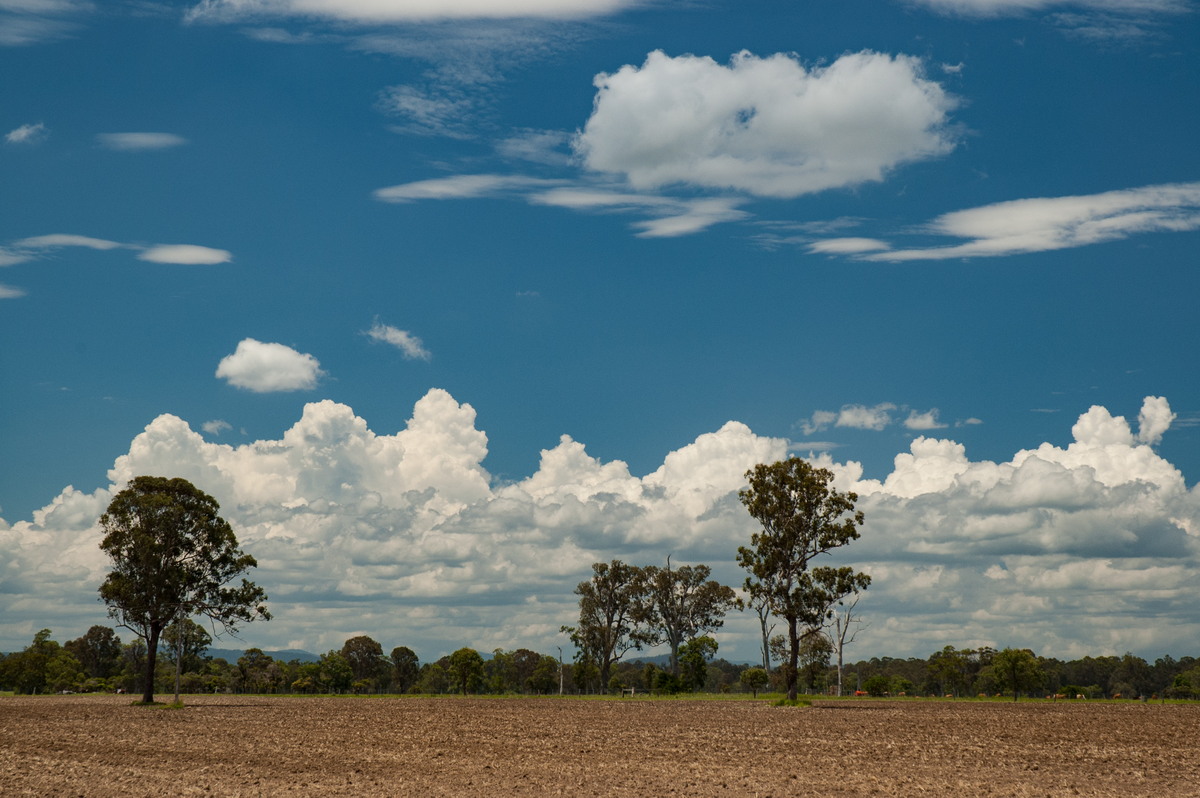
(235, 746)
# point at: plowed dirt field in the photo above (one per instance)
(235, 746)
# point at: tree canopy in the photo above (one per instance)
(173, 557)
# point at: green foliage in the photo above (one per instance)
(365, 657)
(754, 679)
(544, 678)
(42, 667)
(192, 637)
(173, 557)
(802, 516)
(877, 685)
(693, 661)
(336, 673)
(611, 616)
(682, 604)
(1016, 670)
(98, 652)
(815, 651)
(406, 669)
(433, 679)
(466, 670)
(667, 683)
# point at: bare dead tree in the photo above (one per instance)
(844, 626)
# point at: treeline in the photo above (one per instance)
(99, 662)
(971, 672)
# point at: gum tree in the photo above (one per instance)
(173, 557)
(683, 604)
(802, 517)
(612, 610)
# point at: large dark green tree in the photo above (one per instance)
(405, 668)
(98, 651)
(466, 669)
(682, 604)
(173, 557)
(366, 659)
(802, 516)
(1016, 669)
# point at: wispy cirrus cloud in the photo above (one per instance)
(1039, 224)
(412, 346)
(139, 142)
(29, 22)
(997, 8)
(26, 134)
(461, 187)
(37, 247)
(375, 12)
(1102, 20)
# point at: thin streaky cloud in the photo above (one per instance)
(412, 346)
(1000, 8)
(1043, 224)
(459, 187)
(66, 240)
(373, 12)
(137, 142)
(26, 134)
(9, 292)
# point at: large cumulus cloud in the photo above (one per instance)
(407, 537)
(765, 126)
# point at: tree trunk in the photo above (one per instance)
(839, 689)
(178, 659)
(151, 662)
(793, 666)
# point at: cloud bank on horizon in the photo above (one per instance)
(408, 538)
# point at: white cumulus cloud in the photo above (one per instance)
(764, 126)
(269, 367)
(406, 536)
(923, 421)
(216, 426)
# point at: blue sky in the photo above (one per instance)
(356, 267)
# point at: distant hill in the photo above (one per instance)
(231, 655)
